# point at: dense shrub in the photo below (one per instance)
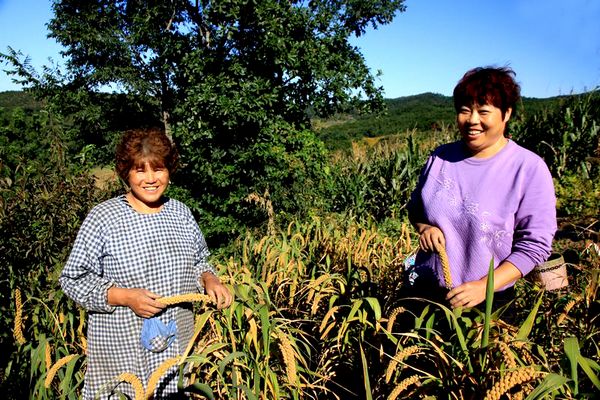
(44, 195)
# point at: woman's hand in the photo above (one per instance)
(216, 290)
(468, 294)
(141, 301)
(430, 237)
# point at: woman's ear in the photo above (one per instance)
(507, 114)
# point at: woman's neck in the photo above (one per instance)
(143, 207)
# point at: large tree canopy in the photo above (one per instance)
(235, 81)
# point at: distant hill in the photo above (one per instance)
(13, 99)
(422, 112)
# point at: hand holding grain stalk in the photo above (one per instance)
(445, 266)
(185, 298)
(431, 238)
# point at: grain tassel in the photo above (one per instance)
(402, 386)
(158, 373)
(401, 355)
(54, 369)
(445, 266)
(18, 328)
(184, 298)
(509, 381)
(134, 381)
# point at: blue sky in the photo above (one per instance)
(553, 45)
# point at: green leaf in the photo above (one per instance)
(227, 359)
(571, 347)
(550, 383)
(354, 309)
(366, 381)
(200, 388)
(374, 303)
(265, 325)
(65, 381)
(527, 326)
(585, 366)
(489, 300)
(247, 392)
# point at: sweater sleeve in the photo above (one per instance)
(535, 220)
(82, 277)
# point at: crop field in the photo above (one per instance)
(317, 312)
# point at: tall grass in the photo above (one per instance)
(315, 304)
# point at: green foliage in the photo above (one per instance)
(288, 164)
(44, 196)
(577, 196)
(568, 137)
(12, 99)
(422, 112)
(377, 182)
(427, 112)
(229, 79)
(21, 142)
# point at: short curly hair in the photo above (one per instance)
(140, 145)
(488, 85)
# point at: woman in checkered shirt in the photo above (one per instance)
(130, 251)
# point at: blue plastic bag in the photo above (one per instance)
(409, 268)
(156, 336)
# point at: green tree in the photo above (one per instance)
(236, 83)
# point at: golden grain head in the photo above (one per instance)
(402, 386)
(184, 298)
(393, 315)
(445, 266)
(289, 358)
(18, 322)
(390, 370)
(509, 358)
(315, 304)
(54, 369)
(570, 304)
(400, 356)
(48, 355)
(509, 381)
(83, 341)
(158, 373)
(518, 395)
(328, 315)
(134, 381)
(526, 356)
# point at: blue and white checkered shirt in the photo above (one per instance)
(163, 252)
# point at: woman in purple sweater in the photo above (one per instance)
(482, 198)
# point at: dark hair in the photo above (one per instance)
(150, 145)
(488, 85)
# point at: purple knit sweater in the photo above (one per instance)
(502, 207)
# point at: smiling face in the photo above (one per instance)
(482, 128)
(147, 182)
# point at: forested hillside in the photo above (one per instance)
(12, 99)
(423, 112)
